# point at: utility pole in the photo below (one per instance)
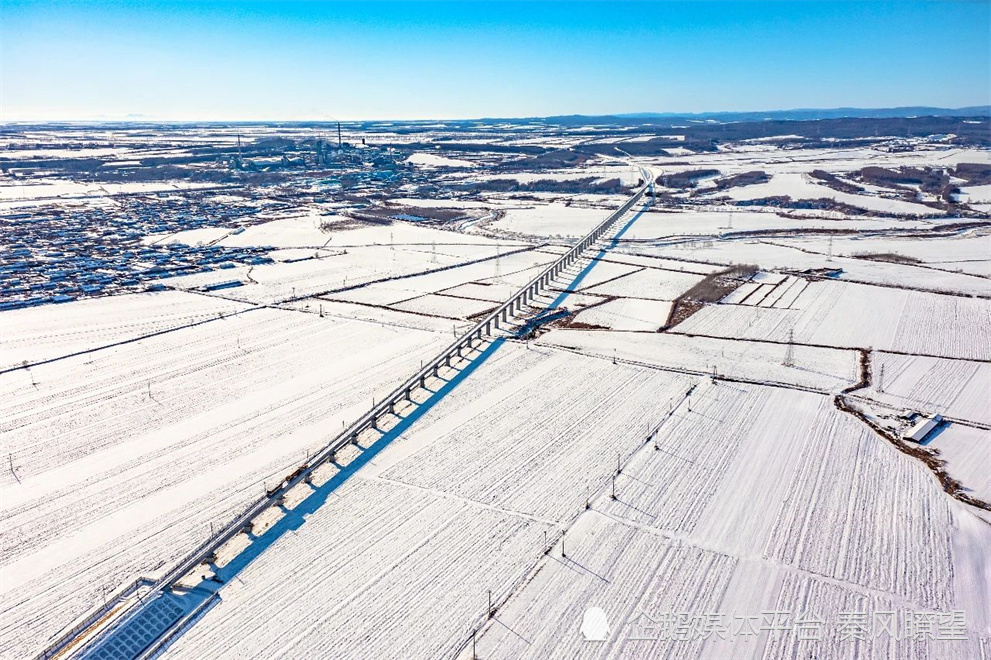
(340, 142)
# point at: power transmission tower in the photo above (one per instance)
(829, 250)
(790, 352)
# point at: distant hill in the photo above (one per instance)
(773, 115)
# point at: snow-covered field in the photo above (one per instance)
(433, 160)
(786, 253)
(70, 189)
(799, 186)
(452, 514)
(648, 283)
(968, 254)
(953, 388)
(390, 571)
(445, 306)
(976, 194)
(707, 470)
(314, 230)
(512, 270)
(823, 369)
(627, 314)
(555, 440)
(625, 174)
(36, 334)
(121, 459)
(270, 283)
(657, 225)
(693, 531)
(850, 315)
(967, 452)
(554, 219)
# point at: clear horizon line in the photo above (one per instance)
(137, 119)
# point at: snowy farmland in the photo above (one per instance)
(38, 334)
(847, 315)
(953, 388)
(799, 186)
(692, 531)
(128, 454)
(695, 423)
(813, 367)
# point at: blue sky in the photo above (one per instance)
(411, 60)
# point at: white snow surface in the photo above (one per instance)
(967, 452)
(799, 186)
(36, 334)
(692, 530)
(627, 314)
(452, 515)
(953, 388)
(822, 369)
(554, 219)
(433, 160)
(123, 458)
(849, 315)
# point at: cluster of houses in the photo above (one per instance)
(51, 255)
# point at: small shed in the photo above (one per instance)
(922, 428)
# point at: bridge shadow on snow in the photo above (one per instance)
(594, 260)
(294, 518)
(133, 637)
(204, 595)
